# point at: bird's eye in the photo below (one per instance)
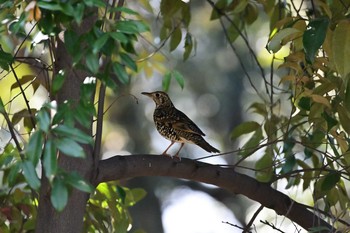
(157, 94)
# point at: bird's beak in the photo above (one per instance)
(147, 94)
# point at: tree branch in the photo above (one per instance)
(124, 167)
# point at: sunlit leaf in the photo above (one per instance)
(275, 43)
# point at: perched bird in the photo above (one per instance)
(174, 125)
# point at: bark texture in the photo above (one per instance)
(70, 220)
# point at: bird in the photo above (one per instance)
(174, 125)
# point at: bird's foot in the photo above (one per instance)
(167, 155)
(177, 157)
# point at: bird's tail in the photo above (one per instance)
(206, 146)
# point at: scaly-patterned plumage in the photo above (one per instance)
(174, 125)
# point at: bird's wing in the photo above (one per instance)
(182, 122)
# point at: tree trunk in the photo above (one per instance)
(71, 218)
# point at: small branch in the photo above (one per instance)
(13, 133)
(234, 225)
(126, 167)
(271, 225)
(24, 96)
(250, 223)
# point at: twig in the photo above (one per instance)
(234, 225)
(243, 37)
(271, 225)
(24, 96)
(250, 223)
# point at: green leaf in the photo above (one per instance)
(50, 158)
(166, 81)
(330, 180)
(252, 143)
(76, 181)
(179, 78)
(59, 194)
(289, 164)
(120, 71)
(175, 38)
(34, 147)
(244, 128)
(43, 119)
(52, 6)
(119, 36)
(314, 37)
(341, 48)
(30, 174)
(5, 60)
(13, 174)
(70, 147)
(57, 82)
(128, 61)
(132, 26)
(331, 122)
(71, 41)
(121, 193)
(264, 168)
(134, 195)
(188, 46)
(73, 133)
(92, 62)
(99, 43)
(305, 103)
(79, 12)
(124, 10)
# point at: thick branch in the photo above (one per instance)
(123, 167)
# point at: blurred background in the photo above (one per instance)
(216, 96)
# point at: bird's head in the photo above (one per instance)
(160, 98)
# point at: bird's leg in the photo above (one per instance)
(177, 153)
(164, 153)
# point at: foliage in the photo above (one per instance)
(307, 143)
